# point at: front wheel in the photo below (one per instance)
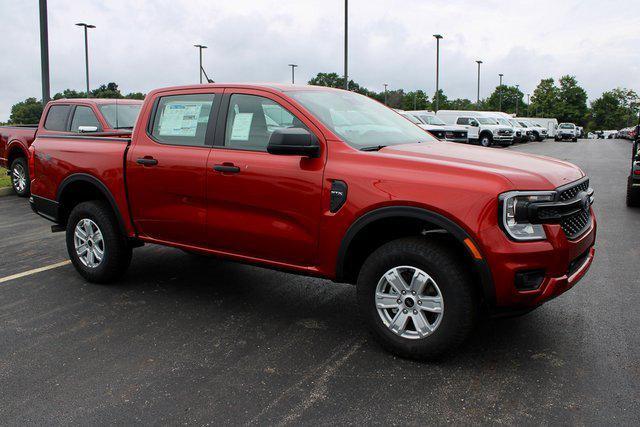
(20, 180)
(486, 140)
(96, 247)
(417, 298)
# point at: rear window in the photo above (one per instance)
(182, 119)
(57, 118)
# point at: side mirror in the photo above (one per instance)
(293, 142)
(474, 124)
(85, 129)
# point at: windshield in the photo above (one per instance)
(524, 124)
(127, 114)
(504, 122)
(432, 120)
(515, 123)
(360, 121)
(411, 118)
(486, 121)
(566, 126)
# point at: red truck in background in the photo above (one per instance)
(328, 183)
(64, 117)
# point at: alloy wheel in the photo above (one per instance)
(19, 178)
(409, 302)
(88, 243)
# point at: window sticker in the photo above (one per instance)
(180, 119)
(241, 126)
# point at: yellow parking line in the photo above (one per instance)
(34, 271)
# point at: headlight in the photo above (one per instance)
(513, 214)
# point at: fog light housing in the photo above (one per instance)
(529, 280)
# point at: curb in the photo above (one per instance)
(6, 191)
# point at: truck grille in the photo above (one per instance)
(576, 224)
(573, 191)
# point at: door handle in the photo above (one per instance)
(226, 168)
(147, 161)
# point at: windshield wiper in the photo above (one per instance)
(373, 148)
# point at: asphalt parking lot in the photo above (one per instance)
(184, 339)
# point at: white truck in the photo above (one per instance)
(567, 131)
(546, 124)
(427, 120)
(521, 133)
(484, 130)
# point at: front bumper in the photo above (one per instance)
(565, 136)
(564, 262)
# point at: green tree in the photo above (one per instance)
(69, 93)
(460, 104)
(614, 109)
(572, 101)
(544, 100)
(416, 100)
(110, 90)
(511, 96)
(26, 112)
(334, 80)
(135, 95)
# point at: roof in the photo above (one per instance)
(272, 87)
(97, 101)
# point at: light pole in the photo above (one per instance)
(293, 73)
(86, 50)
(517, 98)
(385, 94)
(528, 104)
(438, 37)
(478, 97)
(500, 89)
(346, 44)
(200, 47)
(44, 52)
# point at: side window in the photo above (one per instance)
(182, 119)
(57, 118)
(84, 116)
(463, 121)
(252, 119)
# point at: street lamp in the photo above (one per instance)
(478, 97)
(346, 44)
(385, 94)
(528, 104)
(200, 47)
(517, 98)
(500, 88)
(86, 50)
(438, 37)
(44, 52)
(293, 73)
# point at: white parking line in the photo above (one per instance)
(34, 271)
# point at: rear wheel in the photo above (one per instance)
(417, 298)
(633, 194)
(20, 180)
(96, 247)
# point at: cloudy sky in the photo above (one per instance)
(144, 44)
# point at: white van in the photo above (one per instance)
(549, 125)
(485, 130)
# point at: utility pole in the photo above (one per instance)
(517, 98)
(528, 103)
(415, 94)
(86, 50)
(346, 44)
(500, 88)
(478, 97)
(44, 52)
(293, 73)
(385, 94)
(438, 38)
(200, 47)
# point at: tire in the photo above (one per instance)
(575, 140)
(633, 194)
(116, 253)
(536, 136)
(459, 302)
(485, 140)
(20, 180)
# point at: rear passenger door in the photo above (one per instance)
(166, 168)
(84, 119)
(261, 205)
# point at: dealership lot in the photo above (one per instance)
(190, 339)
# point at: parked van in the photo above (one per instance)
(438, 128)
(550, 125)
(520, 131)
(485, 130)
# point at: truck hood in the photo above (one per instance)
(446, 128)
(524, 171)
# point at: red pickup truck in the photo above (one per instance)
(64, 117)
(328, 183)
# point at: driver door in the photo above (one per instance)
(472, 126)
